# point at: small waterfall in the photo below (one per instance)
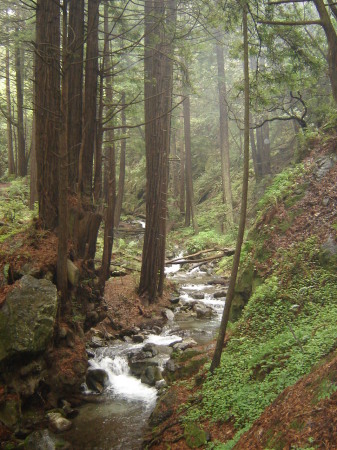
(122, 384)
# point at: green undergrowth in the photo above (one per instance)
(288, 325)
(14, 208)
(283, 184)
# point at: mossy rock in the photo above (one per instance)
(195, 437)
(164, 408)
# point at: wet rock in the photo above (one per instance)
(27, 318)
(185, 344)
(175, 300)
(203, 311)
(10, 411)
(69, 412)
(58, 423)
(161, 384)
(151, 348)
(96, 379)
(198, 295)
(97, 342)
(215, 281)
(151, 375)
(138, 338)
(220, 294)
(164, 408)
(140, 361)
(171, 366)
(168, 314)
(156, 329)
(44, 440)
(90, 353)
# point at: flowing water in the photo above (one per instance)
(119, 420)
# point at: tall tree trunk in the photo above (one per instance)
(256, 164)
(90, 98)
(47, 104)
(10, 153)
(62, 249)
(266, 149)
(22, 162)
(121, 178)
(188, 162)
(224, 135)
(75, 88)
(158, 95)
(182, 188)
(99, 132)
(111, 164)
(230, 294)
(88, 226)
(33, 169)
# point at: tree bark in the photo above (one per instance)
(62, 249)
(22, 162)
(121, 178)
(188, 162)
(75, 88)
(224, 136)
(230, 294)
(10, 153)
(158, 93)
(182, 188)
(90, 98)
(47, 104)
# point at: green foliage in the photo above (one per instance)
(204, 240)
(286, 328)
(282, 185)
(14, 208)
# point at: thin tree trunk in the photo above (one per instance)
(110, 211)
(121, 179)
(22, 163)
(33, 170)
(182, 188)
(224, 136)
(230, 294)
(188, 153)
(10, 153)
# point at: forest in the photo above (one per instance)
(168, 229)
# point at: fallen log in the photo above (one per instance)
(187, 260)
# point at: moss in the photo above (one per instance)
(195, 437)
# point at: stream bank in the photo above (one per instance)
(137, 366)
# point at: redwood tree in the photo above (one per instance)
(47, 108)
(159, 20)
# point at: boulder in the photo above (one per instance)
(43, 440)
(150, 348)
(139, 366)
(27, 318)
(58, 423)
(203, 311)
(151, 375)
(185, 344)
(220, 294)
(138, 338)
(168, 314)
(96, 379)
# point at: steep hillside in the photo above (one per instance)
(287, 328)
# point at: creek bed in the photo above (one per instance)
(120, 419)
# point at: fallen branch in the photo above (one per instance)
(186, 260)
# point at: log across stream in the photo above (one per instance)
(119, 420)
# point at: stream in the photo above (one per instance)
(120, 419)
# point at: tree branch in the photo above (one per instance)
(291, 23)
